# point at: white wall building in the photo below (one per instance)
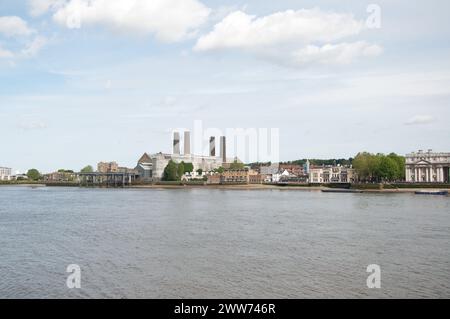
(427, 167)
(331, 174)
(5, 173)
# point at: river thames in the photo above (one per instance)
(215, 243)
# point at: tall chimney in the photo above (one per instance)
(176, 143)
(187, 143)
(212, 146)
(223, 149)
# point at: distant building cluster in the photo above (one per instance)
(285, 174)
(150, 167)
(7, 175)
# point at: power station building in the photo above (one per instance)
(151, 167)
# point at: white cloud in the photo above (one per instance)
(16, 28)
(12, 26)
(240, 30)
(343, 53)
(168, 20)
(292, 37)
(420, 119)
(40, 7)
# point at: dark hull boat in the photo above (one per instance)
(443, 193)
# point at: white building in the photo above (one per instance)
(278, 177)
(331, 174)
(427, 167)
(5, 174)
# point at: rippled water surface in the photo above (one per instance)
(212, 243)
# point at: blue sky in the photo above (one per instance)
(112, 86)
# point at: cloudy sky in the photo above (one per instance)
(83, 81)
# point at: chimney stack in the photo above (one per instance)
(212, 146)
(223, 149)
(176, 143)
(187, 143)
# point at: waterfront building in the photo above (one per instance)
(331, 174)
(144, 168)
(107, 167)
(5, 173)
(255, 178)
(213, 179)
(292, 169)
(280, 176)
(427, 167)
(235, 176)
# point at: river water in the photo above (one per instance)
(215, 243)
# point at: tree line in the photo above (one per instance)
(379, 167)
(174, 172)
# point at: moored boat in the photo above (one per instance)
(423, 192)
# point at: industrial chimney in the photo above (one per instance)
(176, 143)
(223, 149)
(187, 143)
(212, 146)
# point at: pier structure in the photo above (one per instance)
(110, 179)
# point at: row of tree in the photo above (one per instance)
(34, 175)
(379, 167)
(320, 162)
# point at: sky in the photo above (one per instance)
(83, 81)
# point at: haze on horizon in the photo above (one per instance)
(88, 81)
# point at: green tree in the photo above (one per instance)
(170, 172)
(400, 162)
(199, 171)
(180, 170)
(87, 169)
(363, 166)
(33, 174)
(220, 170)
(387, 168)
(188, 167)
